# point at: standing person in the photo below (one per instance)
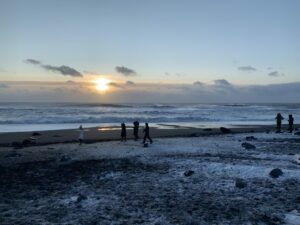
(136, 125)
(278, 118)
(123, 132)
(81, 135)
(147, 133)
(291, 123)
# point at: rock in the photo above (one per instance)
(240, 183)
(297, 133)
(65, 158)
(81, 197)
(188, 173)
(16, 145)
(225, 130)
(146, 145)
(207, 129)
(26, 142)
(247, 145)
(35, 134)
(275, 173)
(251, 138)
(193, 135)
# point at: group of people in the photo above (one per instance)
(279, 119)
(136, 125)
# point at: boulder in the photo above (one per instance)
(225, 130)
(275, 173)
(297, 133)
(188, 173)
(35, 134)
(251, 138)
(247, 145)
(207, 129)
(240, 183)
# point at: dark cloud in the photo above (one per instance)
(130, 83)
(247, 68)
(114, 84)
(198, 83)
(275, 74)
(33, 61)
(222, 82)
(64, 70)
(4, 86)
(125, 71)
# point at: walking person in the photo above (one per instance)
(81, 135)
(279, 119)
(136, 125)
(291, 123)
(147, 133)
(123, 132)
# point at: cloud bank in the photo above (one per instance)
(275, 74)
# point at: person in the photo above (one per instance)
(81, 135)
(123, 132)
(136, 130)
(291, 123)
(147, 134)
(279, 118)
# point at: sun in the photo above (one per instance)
(102, 84)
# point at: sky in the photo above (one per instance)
(151, 50)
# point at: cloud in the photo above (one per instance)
(275, 74)
(4, 86)
(130, 83)
(247, 68)
(198, 83)
(221, 82)
(91, 72)
(64, 70)
(114, 84)
(70, 82)
(125, 71)
(33, 61)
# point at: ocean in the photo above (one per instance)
(50, 116)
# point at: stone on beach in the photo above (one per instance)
(275, 173)
(247, 145)
(240, 183)
(188, 173)
(251, 138)
(225, 130)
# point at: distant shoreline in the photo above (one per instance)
(112, 133)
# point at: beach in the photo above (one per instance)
(187, 176)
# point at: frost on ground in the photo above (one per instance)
(124, 183)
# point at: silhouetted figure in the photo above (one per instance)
(123, 132)
(291, 123)
(136, 125)
(81, 135)
(147, 134)
(278, 118)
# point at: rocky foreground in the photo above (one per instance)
(201, 180)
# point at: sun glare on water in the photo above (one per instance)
(102, 84)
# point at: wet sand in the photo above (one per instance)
(97, 134)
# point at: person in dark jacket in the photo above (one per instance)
(147, 133)
(136, 125)
(123, 132)
(279, 119)
(291, 123)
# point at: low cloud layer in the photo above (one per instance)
(247, 68)
(221, 82)
(4, 86)
(125, 71)
(64, 70)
